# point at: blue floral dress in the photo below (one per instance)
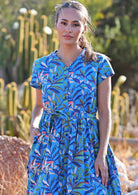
(62, 158)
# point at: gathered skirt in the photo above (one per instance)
(61, 160)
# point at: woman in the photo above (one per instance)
(70, 152)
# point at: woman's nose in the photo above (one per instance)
(69, 28)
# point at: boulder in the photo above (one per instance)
(120, 166)
(133, 171)
(125, 183)
(134, 185)
(133, 193)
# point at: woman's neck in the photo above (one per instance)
(69, 54)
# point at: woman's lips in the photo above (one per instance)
(68, 36)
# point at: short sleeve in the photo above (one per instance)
(35, 81)
(104, 69)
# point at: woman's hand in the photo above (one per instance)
(102, 167)
(34, 131)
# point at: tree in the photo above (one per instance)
(118, 34)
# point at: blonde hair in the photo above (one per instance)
(83, 43)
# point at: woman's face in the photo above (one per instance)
(70, 26)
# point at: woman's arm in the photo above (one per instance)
(36, 114)
(104, 113)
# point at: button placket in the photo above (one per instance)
(68, 73)
(69, 92)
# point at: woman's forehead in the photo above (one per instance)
(71, 14)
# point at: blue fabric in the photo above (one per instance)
(62, 158)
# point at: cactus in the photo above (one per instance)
(1, 89)
(31, 21)
(55, 40)
(20, 35)
(2, 46)
(36, 26)
(44, 21)
(115, 123)
(32, 96)
(12, 99)
(24, 124)
(9, 98)
(113, 96)
(40, 47)
(121, 109)
(126, 105)
(25, 102)
(11, 126)
(115, 111)
(33, 56)
(26, 46)
(31, 46)
(1, 124)
(120, 80)
(44, 35)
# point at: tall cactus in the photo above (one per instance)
(20, 35)
(9, 98)
(126, 105)
(55, 40)
(3, 33)
(44, 35)
(25, 102)
(12, 100)
(122, 108)
(26, 46)
(36, 27)
(1, 90)
(33, 56)
(24, 125)
(32, 96)
(115, 111)
(20, 47)
(115, 123)
(31, 19)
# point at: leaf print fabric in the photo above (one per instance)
(62, 158)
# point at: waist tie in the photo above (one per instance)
(69, 115)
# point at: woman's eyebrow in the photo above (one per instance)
(72, 21)
(63, 19)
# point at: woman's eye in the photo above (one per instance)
(76, 24)
(64, 23)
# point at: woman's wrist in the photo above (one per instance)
(102, 153)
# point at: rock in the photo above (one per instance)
(120, 166)
(133, 193)
(122, 175)
(134, 186)
(125, 183)
(133, 171)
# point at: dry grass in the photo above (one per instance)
(13, 183)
